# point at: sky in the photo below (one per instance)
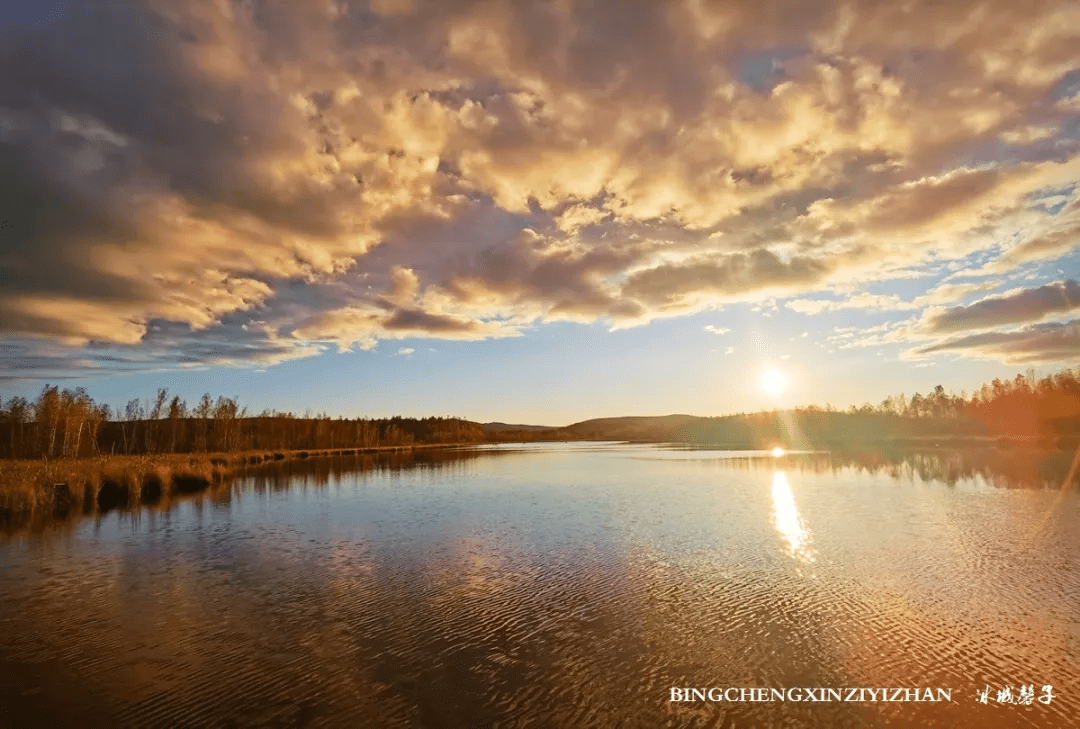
(536, 212)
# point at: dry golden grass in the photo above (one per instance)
(59, 487)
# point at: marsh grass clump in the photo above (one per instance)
(114, 492)
(36, 490)
(63, 498)
(89, 490)
(123, 485)
(155, 484)
(190, 481)
(197, 475)
(14, 502)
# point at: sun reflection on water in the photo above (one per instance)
(786, 520)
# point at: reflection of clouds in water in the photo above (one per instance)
(554, 588)
(348, 560)
(786, 520)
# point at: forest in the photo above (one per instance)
(1026, 408)
(68, 423)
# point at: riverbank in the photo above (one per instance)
(1062, 443)
(59, 487)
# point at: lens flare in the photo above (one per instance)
(773, 382)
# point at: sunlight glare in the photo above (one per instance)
(777, 452)
(773, 382)
(785, 518)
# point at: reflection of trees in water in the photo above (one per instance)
(1004, 468)
(320, 471)
(1008, 468)
(316, 472)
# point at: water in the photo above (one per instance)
(553, 585)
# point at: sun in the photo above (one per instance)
(773, 382)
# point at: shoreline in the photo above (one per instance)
(99, 483)
(1064, 443)
(36, 489)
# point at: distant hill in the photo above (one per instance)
(635, 428)
(820, 429)
(520, 433)
(503, 427)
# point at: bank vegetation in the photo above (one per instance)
(1040, 412)
(64, 451)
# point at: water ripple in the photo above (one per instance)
(548, 588)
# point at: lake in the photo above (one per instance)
(560, 585)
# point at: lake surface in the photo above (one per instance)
(555, 585)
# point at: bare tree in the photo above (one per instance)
(177, 412)
(202, 415)
(47, 415)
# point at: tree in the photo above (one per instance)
(153, 428)
(917, 405)
(224, 415)
(77, 411)
(937, 402)
(202, 416)
(47, 415)
(177, 412)
(133, 413)
(17, 414)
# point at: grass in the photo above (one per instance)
(60, 487)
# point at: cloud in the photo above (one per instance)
(45, 11)
(945, 330)
(352, 172)
(719, 331)
(1046, 245)
(164, 346)
(951, 292)
(865, 301)
(1047, 343)
(1012, 307)
(759, 272)
(809, 306)
(579, 215)
(406, 351)
(365, 326)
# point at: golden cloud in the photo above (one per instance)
(462, 171)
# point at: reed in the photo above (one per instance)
(98, 484)
(156, 484)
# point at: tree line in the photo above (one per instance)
(1023, 407)
(69, 423)
(1027, 407)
